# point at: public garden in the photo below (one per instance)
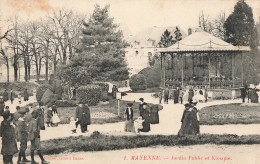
(88, 66)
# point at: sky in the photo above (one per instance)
(136, 14)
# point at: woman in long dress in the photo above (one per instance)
(145, 113)
(190, 123)
(129, 118)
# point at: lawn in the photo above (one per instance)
(103, 112)
(230, 114)
(99, 142)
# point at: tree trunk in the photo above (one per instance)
(7, 67)
(25, 69)
(46, 62)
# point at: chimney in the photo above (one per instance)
(189, 31)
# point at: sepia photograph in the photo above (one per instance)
(130, 81)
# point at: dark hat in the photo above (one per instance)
(17, 107)
(22, 111)
(141, 99)
(6, 107)
(187, 105)
(6, 114)
(129, 104)
(35, 114)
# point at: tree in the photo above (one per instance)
(240, 25)
(178, 35)
(102, 47)
(166, 39)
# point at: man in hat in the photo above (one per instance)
(34, 137)
(22, 130)
(7, 132)
(166, 95)
(83, 117)
(26, 95)
(243, 94)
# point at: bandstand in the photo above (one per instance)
(202, 60)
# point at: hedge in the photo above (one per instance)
(89, 94)
(138, 82)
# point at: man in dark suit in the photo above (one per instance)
(243, 94)
(34, 137)
(83, 117)
(166, 95)
(22, 130)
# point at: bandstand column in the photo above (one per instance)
(209, 68)
(182, 59)
(232, 68)
(242, 69)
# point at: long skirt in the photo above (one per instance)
(154, 118)
(146, 126)
(129, 125)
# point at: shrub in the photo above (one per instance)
(41, 90)
(65, 103)
(89, 94)
(138, 82)
(48, 97)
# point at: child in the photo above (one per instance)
(73, 125)
(138, 123)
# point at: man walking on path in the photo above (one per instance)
(34, 137)
(25, 95)
(243, 94)
(22, 130)
(83, 117)
(166, 95)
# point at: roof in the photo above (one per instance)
(154, 34)
(202, 42)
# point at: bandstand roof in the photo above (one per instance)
(202, 42)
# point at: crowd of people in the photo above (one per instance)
(22, 126)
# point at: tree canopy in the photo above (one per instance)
(166, 39)
(102, 48)
(240, 25)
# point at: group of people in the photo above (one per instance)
(22, 126)
(147, 115)
(11, 96)
(179, 95)
(251, 94)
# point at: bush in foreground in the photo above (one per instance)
(138, 82)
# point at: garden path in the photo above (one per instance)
(169, 124)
